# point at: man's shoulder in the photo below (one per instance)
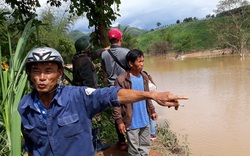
(121, 49)
(105, 54)
(81, 59)
(117, 51)
(123, 76)
(81, 56)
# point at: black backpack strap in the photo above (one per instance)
(116, 60)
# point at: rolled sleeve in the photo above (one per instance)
(101, 99)
(114, 97)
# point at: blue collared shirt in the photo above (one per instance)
(67, 130)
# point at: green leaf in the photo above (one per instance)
(13, 84)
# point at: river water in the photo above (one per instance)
(216, 118)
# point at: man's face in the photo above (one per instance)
(138, 64)
(45, 75)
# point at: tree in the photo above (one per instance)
(189, 19)
(178, 22)
(158, 24)
(159, 48)
(54, 33)
(231, 30)
(195, 19)
(128, 40)
(99, 13)
(208, 16)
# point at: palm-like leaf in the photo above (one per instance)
(13, 82)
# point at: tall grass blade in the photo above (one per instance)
(13, 82)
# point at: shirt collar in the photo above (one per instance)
(115, 46)
(32, 97)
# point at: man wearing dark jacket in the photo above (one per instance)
(134, 118)
(84, 73)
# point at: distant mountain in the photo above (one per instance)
(76, 34)
(132, 30)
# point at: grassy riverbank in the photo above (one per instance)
(166, 144)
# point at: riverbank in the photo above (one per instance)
(202, 54)
(157, 149)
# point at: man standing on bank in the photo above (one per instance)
(84, 74)
(134, 119)
(56, 119)
(114, 63)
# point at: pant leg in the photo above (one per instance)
(133, 142)
(152, 127)
(144, 139)
(139, 141)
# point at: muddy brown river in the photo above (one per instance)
(216, 118)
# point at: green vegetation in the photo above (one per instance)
(53, 32)
(230, 29)
(170, 140)
(13, 87)
(186, 37)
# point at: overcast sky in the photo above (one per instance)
(144, 14)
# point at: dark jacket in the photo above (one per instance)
(84, 73)
(124, 113)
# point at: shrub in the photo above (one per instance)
(170, 140)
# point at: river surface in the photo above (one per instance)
(216, 118)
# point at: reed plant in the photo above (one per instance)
(171, 141)
(13, 86)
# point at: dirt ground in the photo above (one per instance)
(210, 53)
(113, 150)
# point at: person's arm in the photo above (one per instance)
(105, 74)
(162, 98)
(117, 110)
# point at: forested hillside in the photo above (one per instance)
(183, 37)
(229, 29)
(188, 36)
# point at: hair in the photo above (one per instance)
(133, 55)
(114, 40)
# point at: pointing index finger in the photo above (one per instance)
(182, 98)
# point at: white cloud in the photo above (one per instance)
(145, 14)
